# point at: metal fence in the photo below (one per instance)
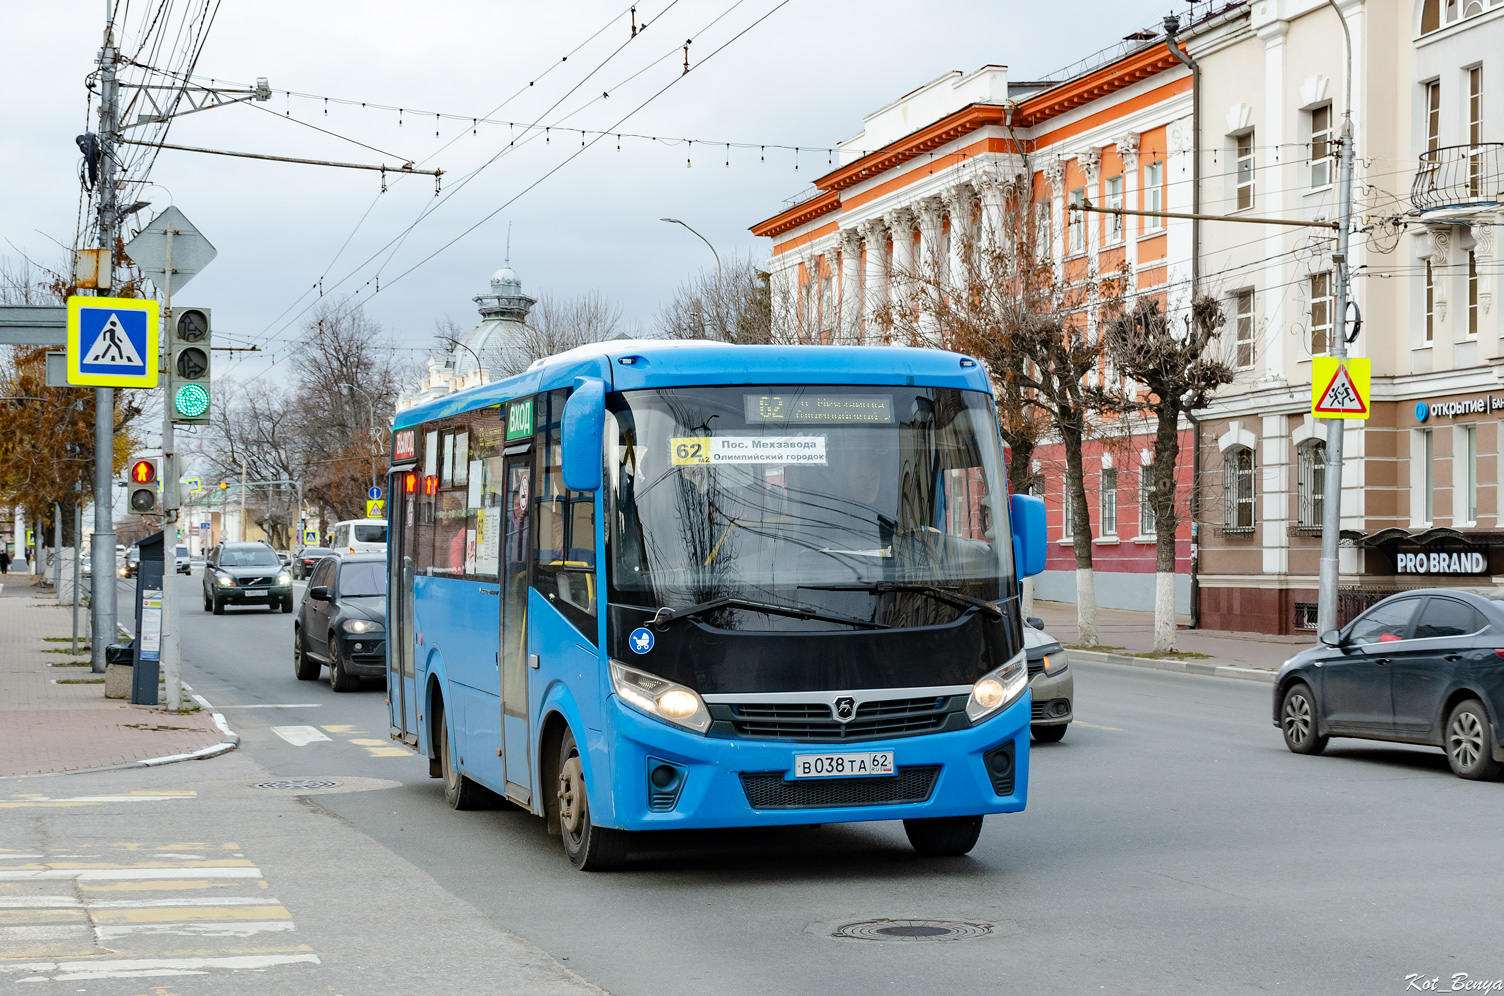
(1351, 602)
(1459, 176)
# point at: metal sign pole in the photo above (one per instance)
(171, 671)
(102, 601)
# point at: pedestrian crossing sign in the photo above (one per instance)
(112, 342)
(1339, 388)
(376, 509)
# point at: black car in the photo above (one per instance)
(304, 559)
(1422, 667)
(246, 574)
(341, 621)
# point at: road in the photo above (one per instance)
(1171, 844)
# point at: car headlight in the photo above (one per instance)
(225, 580)
(660, 698)
(284, 578)
(362, 626)
(998, 688)
(1056, 661)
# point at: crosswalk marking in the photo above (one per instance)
(299, 736)
(63, 916)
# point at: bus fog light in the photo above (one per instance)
(998, 688)
(660, 698)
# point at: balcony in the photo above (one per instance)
(1457, 180)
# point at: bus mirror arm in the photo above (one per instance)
(1026, 515)
(584, 430)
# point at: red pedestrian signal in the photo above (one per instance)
(143, 472)
(409, 483)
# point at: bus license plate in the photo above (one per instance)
(843, 765)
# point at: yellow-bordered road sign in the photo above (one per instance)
(376, 509)
(112, 342)
(1339, 388)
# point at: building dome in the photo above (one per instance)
(506, 281)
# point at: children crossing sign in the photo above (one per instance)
(1339, 388)
(112, 342)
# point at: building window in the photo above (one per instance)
(1474, 130)
(1310, 489)
(1154, 195)
(1243, 316)
(1115, 202)
(1109, 495)
(1045, 228)
(1077, 225)
(1470, 469)
(1067, 526)
(1245, 170)
(1237, 490)
(1430, 304)
(827, 305)
(1428, 495)
(1321, 313)
(1433, 117)
(1146, 501)
(1472, 293)
(1321, 146)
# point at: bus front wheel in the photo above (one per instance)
(589, 847)
(944, 836)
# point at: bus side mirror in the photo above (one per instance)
(584, 431)
(1027, 515)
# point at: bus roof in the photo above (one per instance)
(636, 364)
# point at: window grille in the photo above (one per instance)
(1109, 498)
(1237, 490)
(1310, 488)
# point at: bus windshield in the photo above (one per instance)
(809, 495)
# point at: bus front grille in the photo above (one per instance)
(770, 790)
(813, 722)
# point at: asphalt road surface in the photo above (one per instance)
(1171, 844)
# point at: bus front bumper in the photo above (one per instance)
(714, 782)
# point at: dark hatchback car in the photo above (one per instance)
(304, 559)
(1422, 667)
(246, 574)
(341, 621)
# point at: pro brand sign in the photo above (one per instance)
(1462, 562)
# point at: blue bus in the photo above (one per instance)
(667, 585)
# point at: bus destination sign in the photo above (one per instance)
(850, 409)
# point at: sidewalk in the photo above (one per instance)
(1134, 632)
(56, 718)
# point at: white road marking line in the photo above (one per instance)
(137, 968)
(281, 705)
(299, 736)
(28, 800)
(145, 904)
(1093, 726)
(238, 928)
(139, 874)
(40, 903)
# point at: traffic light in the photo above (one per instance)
(141, 488)
(188, 367)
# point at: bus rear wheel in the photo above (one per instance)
(459, 791)
(944, 836)
(589, 847)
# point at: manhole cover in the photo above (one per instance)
(296, 784)
(911, 930)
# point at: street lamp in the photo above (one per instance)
(718, 275)
(371, 416)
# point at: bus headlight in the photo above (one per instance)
(660, 697)
(998, 688)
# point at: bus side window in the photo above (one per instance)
(564, 532)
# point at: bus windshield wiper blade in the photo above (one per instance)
(666, 615)
(934, 591)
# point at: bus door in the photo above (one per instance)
(516, 549)
(401, 686)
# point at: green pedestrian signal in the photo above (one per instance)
(188, 366)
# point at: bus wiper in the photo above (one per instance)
(666, 615)
(947, 595)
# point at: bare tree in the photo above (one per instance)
(557, 324)
(729, 304)
(1178, 373)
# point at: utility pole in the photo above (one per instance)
(242, 499)
(102, 601)
(1331, 508)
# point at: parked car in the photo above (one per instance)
(302, 563)
(341, 621)
(1050, 683)
(1420, 667)
(246, 574)
(180, 556)
(359, 536)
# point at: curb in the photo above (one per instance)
(230, 742)
(1182, 667)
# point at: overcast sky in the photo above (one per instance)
(806, 75)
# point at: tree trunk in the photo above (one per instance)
(1086, 592)
(1166, 454)
(1026, 597)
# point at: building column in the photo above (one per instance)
(901, 265)
(851, 286)
(931, 218)
(874, 288)
(991, 190)
(960, 205)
